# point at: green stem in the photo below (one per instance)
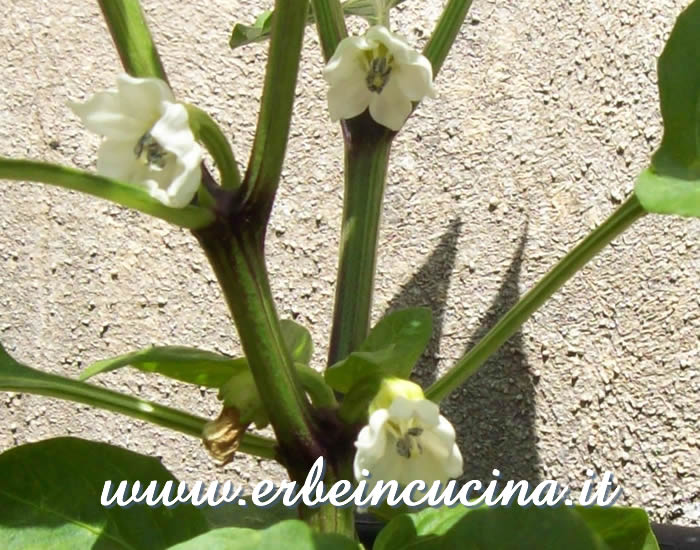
(209, 133)
(330, 519)
(366, 161)
(320, 393)
(124, 194)
(266, 158)
(445, 32)
(330, 23)
(619, 220)
(50, 385)
(131, 36)
(238, 262)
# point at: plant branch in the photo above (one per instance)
(20, 378)
(446, 32)
(131, 36)
(330, 24)
(237, 260)
(618, 221)
(367, 147)
(267, 156)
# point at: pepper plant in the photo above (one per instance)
(363, 415)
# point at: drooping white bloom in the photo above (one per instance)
(147, 138)
(380, 71)
(407, 440)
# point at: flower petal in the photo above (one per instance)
(428, 413)
(116, 160)
(141, 98)
(390, 108)
(102, 114)
(187, 179)
(348, 98)
(397, 46)
(407, 441)
(173, 131)
(415, 79)
(347, 57)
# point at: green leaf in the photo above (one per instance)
(620, 528)
(131, 196)
(132, 38)
(194, 366)
(257, 32)
(679, 91)
(50, 498)
(298, 341)
(15, 376)
(672, 184)
(407, 529)
(515, 527)
(290, 535)
(253, 517)
(392, 348)
(668, 195)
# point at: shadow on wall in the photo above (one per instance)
(429, 287)
(494, 411)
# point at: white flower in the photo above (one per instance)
(147, 139)
(409, 440)
(380, 71)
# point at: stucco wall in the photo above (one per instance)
(546, 113)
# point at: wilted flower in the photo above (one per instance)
(147, 138)
(406, 439)
(380, 71)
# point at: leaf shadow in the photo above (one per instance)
(494, 412)
(429, 287)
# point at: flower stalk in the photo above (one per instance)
(210, 134)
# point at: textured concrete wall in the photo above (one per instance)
(546, 112)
